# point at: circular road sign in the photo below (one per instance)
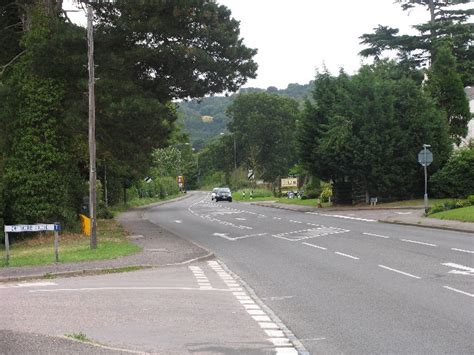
(425, 157)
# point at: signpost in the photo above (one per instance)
(425, 158)
(23, 228)
(250, 174)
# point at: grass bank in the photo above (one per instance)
(112, 242)
(137, 202)
(464, 214)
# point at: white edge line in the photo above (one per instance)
(416, 242)
(400, 272)
(459, 291)
(346, 255)
(314, 246)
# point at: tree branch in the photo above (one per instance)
(4, 67)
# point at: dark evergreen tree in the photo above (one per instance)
(445, 85)
(448, 24)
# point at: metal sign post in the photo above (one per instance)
(24, 228)
(425, 158)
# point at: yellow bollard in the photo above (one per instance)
(86, 225)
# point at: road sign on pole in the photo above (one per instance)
(250, 174)
(425, 158)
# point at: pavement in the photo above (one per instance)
(413, 216)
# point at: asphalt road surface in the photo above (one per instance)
(342, 284)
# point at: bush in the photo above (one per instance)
(470, 199)
(456, 178)
(327, 192)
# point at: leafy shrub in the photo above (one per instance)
(326, 193)
(470, 199)
(456, 178)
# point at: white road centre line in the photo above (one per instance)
(400, 272)
(376, 235)
(346, 255)
(417, 242)
(463, 250)
(315, 246)
(459, 291)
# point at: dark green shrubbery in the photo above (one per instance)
(456, 178)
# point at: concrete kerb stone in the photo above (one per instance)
(428, 226)
(298, 208)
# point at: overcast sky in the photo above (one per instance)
(294, 38)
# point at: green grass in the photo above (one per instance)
(415, 203)
(111, 243)
(464, 214)
(137, 202)
(79, 336)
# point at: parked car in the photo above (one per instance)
(214, 193)
(223, 194)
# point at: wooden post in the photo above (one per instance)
(7, 248)
(92, 143)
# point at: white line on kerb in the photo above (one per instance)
(346, 255)
(315, 246)
(400, 272)
(416, 242)
(463, 250)
(459, 291)
(376, 235)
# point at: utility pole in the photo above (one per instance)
(92, 145)
(235, 153)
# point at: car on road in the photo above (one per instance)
(214, 193)
(223, 194)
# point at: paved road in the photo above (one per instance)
(342, 285)
(195, 308)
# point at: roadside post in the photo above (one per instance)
(425, 158)
(24, 228)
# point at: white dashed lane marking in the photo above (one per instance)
(346, 255)
(376, 235)
(29, 284)
(400, 272)
(459, 291)
(463, 250)
(417, 242)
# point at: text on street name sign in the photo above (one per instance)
(19, 228)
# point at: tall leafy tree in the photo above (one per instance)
(363, 132)
(449, 23)
(263, 127)
(445, 85)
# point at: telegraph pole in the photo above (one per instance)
(92, 145)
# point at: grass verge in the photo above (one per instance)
(464, 214)
(137, 202)
(111, 243)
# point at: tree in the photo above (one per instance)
(444, 84)
(456, 178)
(363, 133)
(147, 54)
(448, 24)
(263, 127)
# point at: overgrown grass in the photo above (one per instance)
(79, 336)
(137, 202)
(464, 214)
(111, 243)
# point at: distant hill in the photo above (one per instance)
(205, 119)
